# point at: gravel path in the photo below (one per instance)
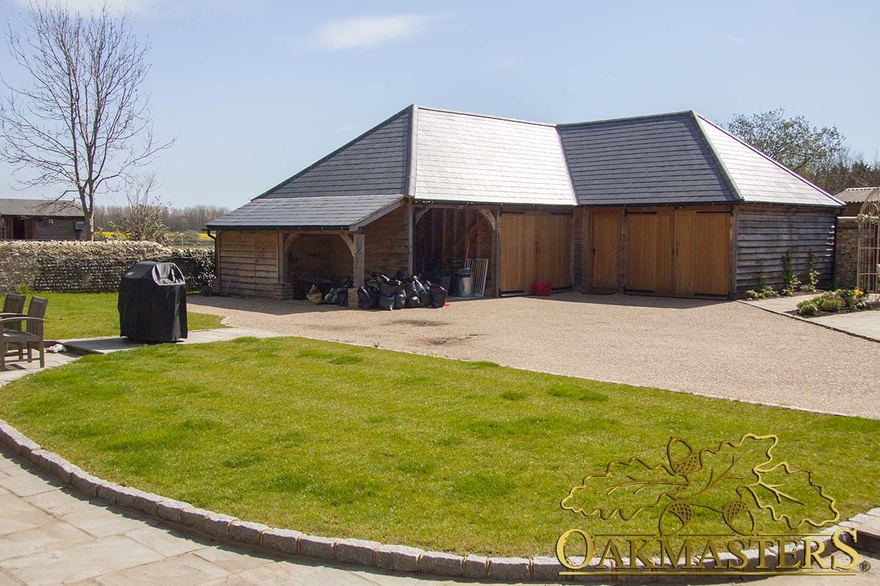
(724, 349)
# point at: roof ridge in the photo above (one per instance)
(719, 161)
(627, 119)
(772, 160)
(488, 116)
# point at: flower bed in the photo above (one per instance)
(831, 302)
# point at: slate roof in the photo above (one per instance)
(39, 207)
(342, 212)
(856, 194)
(471, 158)
(757, 177)
(374, 163)
(434, 155)
(644, 161)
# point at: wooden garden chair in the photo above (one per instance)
(28, 335)
(13, 305)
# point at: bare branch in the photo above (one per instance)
(82, 122)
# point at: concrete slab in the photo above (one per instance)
(864, 324)
(66, 564)
(117, 343)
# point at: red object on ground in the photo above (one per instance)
(542, 287)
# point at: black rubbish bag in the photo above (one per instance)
(342, 297)
(413, 301)
(389, 288)
(367, 298)
(400, 300)
(330, 298)
(422, 293)
(386, 302)
(438, 296)
(152, 302)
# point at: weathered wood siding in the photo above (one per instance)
(764, 234)
(319, 256)
(386, 243)
(248, 263)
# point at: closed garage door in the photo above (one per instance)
(535, 246)
(678, 252)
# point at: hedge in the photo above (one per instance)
(90, 267)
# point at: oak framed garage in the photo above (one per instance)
(667, 205)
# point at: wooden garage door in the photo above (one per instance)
(605, 239)
(678, 252)
(702, 260)
(535, 246)
(649, 251)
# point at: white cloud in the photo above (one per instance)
(369, 31)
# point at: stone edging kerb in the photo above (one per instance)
(395, 558)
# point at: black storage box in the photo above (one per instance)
(152, 302)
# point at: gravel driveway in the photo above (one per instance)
(724, 349)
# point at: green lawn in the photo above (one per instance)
(91, 315)
(358, 442)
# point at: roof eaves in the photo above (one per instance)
(725, 173)
(778, 164)
(334, 153)
(373, 216)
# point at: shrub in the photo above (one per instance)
(812, 275)
(197, 265)
(790, 282)
(752, 295)
(808, 308)
(831, 304)
(767, 291)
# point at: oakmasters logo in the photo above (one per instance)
(726, 509)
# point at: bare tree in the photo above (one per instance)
(142, 218)
(82, 122)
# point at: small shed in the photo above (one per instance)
(854, 197)
(669, 204)
(39, 219)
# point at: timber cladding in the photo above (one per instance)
(765, 234)
(249, 262)
(387, 243)
(318, 256)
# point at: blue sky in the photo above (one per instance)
(256, 90)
